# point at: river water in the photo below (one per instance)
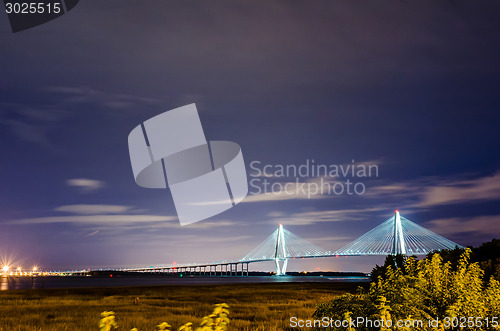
(24, 283)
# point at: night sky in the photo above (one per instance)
(409, 86)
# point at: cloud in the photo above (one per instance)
(458, 191)
(313, 217)
(311, 188)
(101, 219)
(410, 189)
(86, 185)
(483, 225)
(210, 224)
(107, 217)
(265, 188)
(153, 226)
(310, 180)
(435, 191)
(31, 124)
(87, 95)
(93, 209)
(292, 194)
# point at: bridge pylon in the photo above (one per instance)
(397, 235)
(399, 239)
(280, 252)
(281, 246)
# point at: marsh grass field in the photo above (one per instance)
(259, 306)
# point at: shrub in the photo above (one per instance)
(107, 321)
(422, 291)
(217, 321)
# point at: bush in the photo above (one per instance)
(422, 291)
(487, 254)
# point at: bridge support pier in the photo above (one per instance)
(233, 269)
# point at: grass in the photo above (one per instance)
(252, 306)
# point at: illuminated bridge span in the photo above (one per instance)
(397, 235)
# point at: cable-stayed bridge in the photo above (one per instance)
(397, 235)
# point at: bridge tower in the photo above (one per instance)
(280, 252)
(399, 239)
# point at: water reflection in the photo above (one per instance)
(4, 285)
(18, 283)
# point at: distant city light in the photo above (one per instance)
(6, 268)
